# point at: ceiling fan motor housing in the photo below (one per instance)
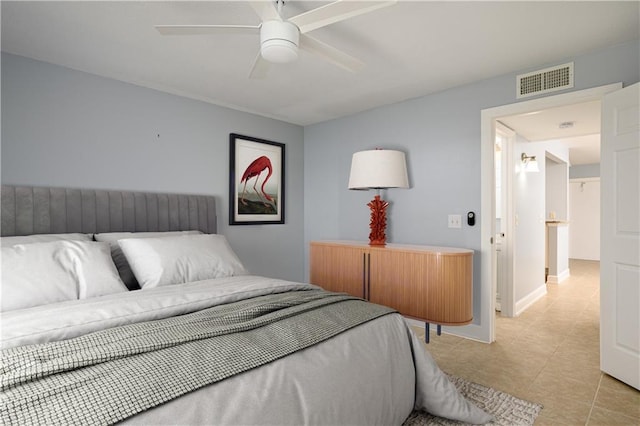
(279, 41)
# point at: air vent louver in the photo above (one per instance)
(545, 81)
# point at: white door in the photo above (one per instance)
(500, 262)
(620, 236)
(505, 300)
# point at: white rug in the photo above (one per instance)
(506, 409)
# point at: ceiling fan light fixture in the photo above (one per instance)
(279, 41)
(279, 51)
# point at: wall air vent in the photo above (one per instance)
(544, 81)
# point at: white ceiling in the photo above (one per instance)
(411, 49)
(582, 137)
(584, 149)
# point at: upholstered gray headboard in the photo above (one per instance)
(36, 210)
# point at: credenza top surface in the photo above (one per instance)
(408, 247)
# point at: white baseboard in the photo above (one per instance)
(557, 279)
(530, 299)
(469, 331)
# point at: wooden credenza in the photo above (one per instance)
(431, 284)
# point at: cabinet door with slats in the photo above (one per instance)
(397, 280)
(424, 285)
(339, 268)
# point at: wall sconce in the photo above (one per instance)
(378, 169)
(529, 163)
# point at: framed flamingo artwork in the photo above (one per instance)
(256, 190)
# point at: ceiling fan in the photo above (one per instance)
(280, 38)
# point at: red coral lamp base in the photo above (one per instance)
(378, 222)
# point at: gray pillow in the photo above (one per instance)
(126, 274)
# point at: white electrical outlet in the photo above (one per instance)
(455, 221)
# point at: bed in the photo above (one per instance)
(137, 312)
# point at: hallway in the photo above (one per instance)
(549, 355)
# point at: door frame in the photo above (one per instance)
(488, 119)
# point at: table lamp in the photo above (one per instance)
(378, 169)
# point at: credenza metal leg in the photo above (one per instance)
(426, 331)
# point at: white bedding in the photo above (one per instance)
(373, 374)
(50, 323)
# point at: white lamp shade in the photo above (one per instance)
(378, 168)
(531, 165)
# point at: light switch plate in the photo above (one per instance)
(455, 221)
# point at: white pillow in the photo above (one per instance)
(43, 238)
(126, 274)
(42, 273)
(175, 260)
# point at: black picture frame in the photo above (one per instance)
(256, 181)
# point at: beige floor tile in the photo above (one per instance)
(617, 396)
(477, 347)
(549, 382)
(562, 411)
(441, 353)
(579, 353)
(531, 315)
(563, 367)
(508, 336)
(534, 346)
(417, 329)
(465, 371)
(603, 417)
(446, 339)
(588, 346)
(514, 383)
(553, 327)
(550, 354)
(549, 340)
(520, 364)
(545, 420)
(585, 335)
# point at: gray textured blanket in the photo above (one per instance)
(107, 376)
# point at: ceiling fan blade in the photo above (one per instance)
(335, 12)
(206, 29)
(266, 10)
(330, 54)
(260, 68)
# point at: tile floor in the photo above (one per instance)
(550, 355)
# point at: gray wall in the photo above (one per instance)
(66, 128)
(528, 241)
(584, 171)
(62, 127)
(441, 135)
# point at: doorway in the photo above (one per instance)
(489, 119)
(532, 211)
